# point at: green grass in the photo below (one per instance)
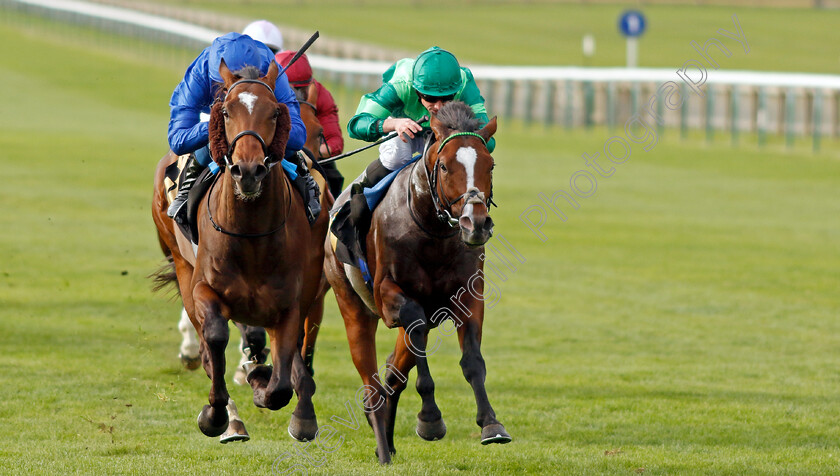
(526, 33)
(683, 320)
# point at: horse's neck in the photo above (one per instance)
(421, 206)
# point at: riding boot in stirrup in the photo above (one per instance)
(308, 188)
(178, 210)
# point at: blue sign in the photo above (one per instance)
(631, 23)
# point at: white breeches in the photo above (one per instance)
(395, 153)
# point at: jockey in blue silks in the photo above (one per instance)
(195, 94)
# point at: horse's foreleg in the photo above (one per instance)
(311, 327)
(397, 307)
(213, 419)
(274, 390)
(472, 364)
(189, 355)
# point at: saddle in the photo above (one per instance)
(172, 176)
(347, 242)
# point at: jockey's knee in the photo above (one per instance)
(395, 153)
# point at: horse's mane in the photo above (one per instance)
(458, 116)
(249, 72)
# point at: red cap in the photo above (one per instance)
(300, 73)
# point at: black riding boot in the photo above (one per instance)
(178, 210)
(359, 212)
(308, 189)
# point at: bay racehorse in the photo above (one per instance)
(258, 262)
(424, 246)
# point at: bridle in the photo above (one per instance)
(267, 161)
(443, 206)
(473, 195)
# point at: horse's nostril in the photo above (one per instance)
(488, 224)
(466, 223)
(260, 172)
(236, 172)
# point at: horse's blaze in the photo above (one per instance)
(476, 227)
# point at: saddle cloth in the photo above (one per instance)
(205, 179)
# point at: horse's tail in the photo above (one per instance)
(164, 277)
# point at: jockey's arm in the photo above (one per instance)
(374, 108)
(192, 96)
(297, 135)
(328, 117)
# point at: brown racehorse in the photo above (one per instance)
(253, 342)
(420, 257)
(256, 261)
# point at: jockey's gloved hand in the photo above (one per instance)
(406, 128)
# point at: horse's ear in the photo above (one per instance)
(227, 76)
(271, 78)
(277, 148)
(218, 136)
(488, 130)
(440, 130)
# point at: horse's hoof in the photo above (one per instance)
(206, 425)
(278, 398)
(190, 363)
(258, 375)
(301, 429)
(387, 458)
(239, 377)
(494, 433)
(431, 430)
(235, 432)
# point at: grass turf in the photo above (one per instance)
(534, 33)
(683, 320)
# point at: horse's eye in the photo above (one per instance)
(442, 168)
(276, 114)
(225, 113)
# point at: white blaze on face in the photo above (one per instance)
(467, 156)
(247, 99)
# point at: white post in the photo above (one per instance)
(632, 52)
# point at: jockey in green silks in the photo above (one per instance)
(412, 88)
